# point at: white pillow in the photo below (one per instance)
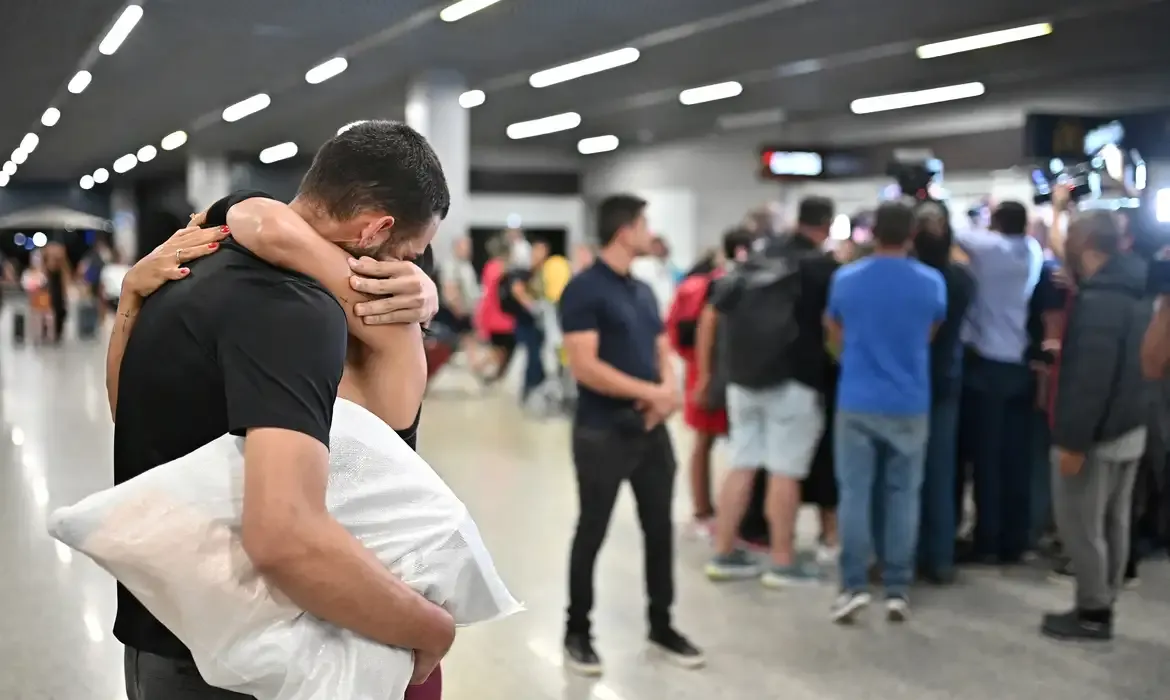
(171, 536)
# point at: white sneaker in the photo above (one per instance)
(848, 605)
(897, 609)
(828, 556)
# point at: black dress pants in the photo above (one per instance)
(603, 459)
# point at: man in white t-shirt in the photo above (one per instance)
(459, 297)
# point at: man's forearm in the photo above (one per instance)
(605, 379)
(128, 308)
(329, 574)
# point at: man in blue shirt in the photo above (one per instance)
(619, 353)
(998, 385)
(882, 312)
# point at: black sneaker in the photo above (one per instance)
(677, 648)
(580, 656)
(1076, 625)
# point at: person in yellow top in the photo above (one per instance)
(555, 275)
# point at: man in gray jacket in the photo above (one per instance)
(1099, 420)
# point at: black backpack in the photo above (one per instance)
(508, 302)
(757, 314)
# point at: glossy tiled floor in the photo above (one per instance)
(974, 642)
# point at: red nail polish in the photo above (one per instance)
(184, 270)
(225, 229)
(212, 246)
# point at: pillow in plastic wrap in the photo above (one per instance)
(172, 537)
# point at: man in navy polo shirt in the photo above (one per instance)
(619, 354)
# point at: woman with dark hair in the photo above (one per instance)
(933, 242)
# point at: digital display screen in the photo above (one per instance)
(795, 163)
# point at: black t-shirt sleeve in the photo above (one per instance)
(579, 308)
(282, 355)
(1158, 274)
(217, 213)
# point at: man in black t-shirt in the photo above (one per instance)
(244, 347)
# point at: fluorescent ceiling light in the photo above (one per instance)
(239, 110)
(9, 168)
(983, 41)
(86, 182)
(463, 8)
(29, 143)
(902, 100)
(125, 163)
(79, 82)
(51, 116)
(1162, 206)
(587, 66)
(173, 140)
(146, 154)
(710, 93)
(349, 126)
(4, 179)
(101, 175)
(597, 144)
(546, 125)
(19, 156)
(329, 69)
(121, 29)
(281, 151)
(472, 98)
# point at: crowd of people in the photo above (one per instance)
(52, 284)
(943, 397)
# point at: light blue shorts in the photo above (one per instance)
(778, 428)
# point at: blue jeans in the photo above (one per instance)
(863, 445)
(998, 407)
(936, 541)
(530, 337)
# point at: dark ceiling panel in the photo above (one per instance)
(42, 42)
(186, 61)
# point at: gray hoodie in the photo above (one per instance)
(1101, 393)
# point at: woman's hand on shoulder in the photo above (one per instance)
(168, 261)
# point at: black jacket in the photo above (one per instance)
(1101, 393)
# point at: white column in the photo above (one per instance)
(124, 214)
(209, 178)
(432, 107)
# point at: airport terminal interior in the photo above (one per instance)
(731, 124)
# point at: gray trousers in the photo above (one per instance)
(151, 677)
(1093, 517)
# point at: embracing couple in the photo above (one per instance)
(276, 311)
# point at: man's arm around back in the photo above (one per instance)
(282, 360)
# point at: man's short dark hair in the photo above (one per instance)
(893, 224)
(736, 239)
(1010, 218)
(616, 212)
(378, 166)
(816, 212)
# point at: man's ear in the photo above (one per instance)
(376, 231)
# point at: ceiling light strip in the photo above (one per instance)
(247, 107)
(472, 98)
(121, 29)
(173, 140)
(281, 151)
(598, 144)
(710, 93)
(463, 8)
(903, 100)
(984, 41)
(329, 69)
(586, 66)
(544, 126)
